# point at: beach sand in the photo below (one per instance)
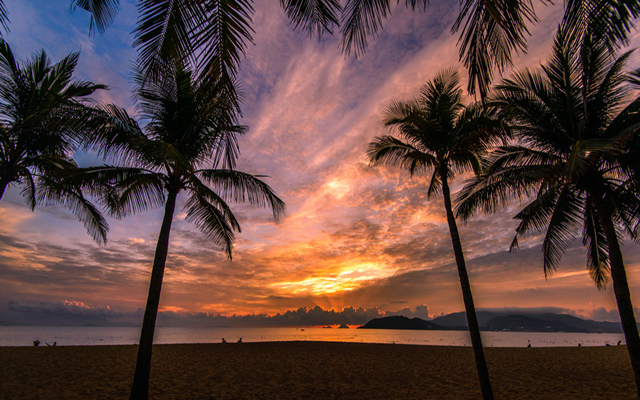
(315, 370)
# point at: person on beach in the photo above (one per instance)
(240, 340)
(224, 341)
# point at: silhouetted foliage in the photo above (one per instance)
(574, 124)
(41, 115)
(442, 135)
(188, 144)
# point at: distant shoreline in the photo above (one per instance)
(16, 336)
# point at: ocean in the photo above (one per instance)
(92, 336)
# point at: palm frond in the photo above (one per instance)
(139, 191)
(52, 191)
(223, 32)
(607, 92)
(4, 17)
(8, 64)
(480, 129)
(360, 20)
(561, 229)
(387, 150)
(113, 133)
(164, 32)
(513, 172)
(626, 124)
(102, 12)
(442, 96)
(434, 184)
(492, 32)
(610, 22)
(210, 220)
(197, 186)
(240, 187)
(29, 189)
(313, 15)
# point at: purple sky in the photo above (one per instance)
(353, 235)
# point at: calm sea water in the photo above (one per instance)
(90, 336)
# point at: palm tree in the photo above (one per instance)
(444, 135)
(187, 145)
(40, 110)
(492, 30)
(217, 33)
(572, 160)
(213, 35)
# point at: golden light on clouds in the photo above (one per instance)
(165, 308)
(337, 188)
(13, 217)
(333, 280)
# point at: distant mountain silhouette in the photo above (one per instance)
(524, 323)
(24, 319)
(528, 322)
(401, 322)
(496, 321)
(343, 326)
(459, 320)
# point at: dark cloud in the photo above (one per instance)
(79, 314)
(72, 313)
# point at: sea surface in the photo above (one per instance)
(91, 336)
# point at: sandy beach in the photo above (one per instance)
(315, 370)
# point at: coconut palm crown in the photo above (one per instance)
(574, 121)
(440, 134)
(492, 31)
(41, 109)
(188, 145)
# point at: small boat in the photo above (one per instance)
(302, 330)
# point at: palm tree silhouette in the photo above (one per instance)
(442, 134)
(212, 35)
(41, 110)
(215, 34)
(187, 145)
(572, 159)
(491, 30)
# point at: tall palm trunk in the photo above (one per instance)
(140, 387)
(472, 319)
(621, 289)
(3, 185)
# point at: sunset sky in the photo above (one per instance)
(354, 236)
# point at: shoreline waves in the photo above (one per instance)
(72, 336)
(316, 370)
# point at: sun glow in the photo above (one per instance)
(350, 278)
(337, 188)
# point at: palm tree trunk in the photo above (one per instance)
(140, 387)
(3, 185)
(472, 319)
(621, 290)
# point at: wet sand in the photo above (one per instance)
(315, 370)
